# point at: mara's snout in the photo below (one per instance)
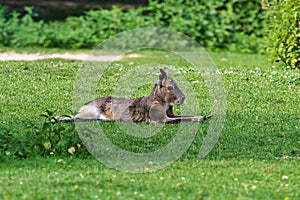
(180, 100)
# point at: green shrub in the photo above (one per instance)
(284, 32)
(213, 24)
(222, 24)
(8, 26)
(41, 139)
(20, 31)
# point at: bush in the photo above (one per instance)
(284, 32)
(20, 31)
(213, 24)
(41, 139)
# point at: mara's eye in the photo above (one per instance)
(170, 88)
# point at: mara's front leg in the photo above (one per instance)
(178, 119)
(172, 118)
(158, 115)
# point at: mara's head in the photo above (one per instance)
(167, 90)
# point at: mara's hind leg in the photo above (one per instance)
(89, 112)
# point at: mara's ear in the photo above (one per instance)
(166, 71)
(164, 74)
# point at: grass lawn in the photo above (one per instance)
(256, 157)
(186, 179)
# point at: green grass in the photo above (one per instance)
(188, 179)
(259, 145)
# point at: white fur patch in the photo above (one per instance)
(102, 118)
(90, 112)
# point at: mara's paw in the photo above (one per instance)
(208, 116)
(202, 118)
(61, 118)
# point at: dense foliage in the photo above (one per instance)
(284, 16)
(232, 25)
(44, 139)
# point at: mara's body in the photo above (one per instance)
(155, 108)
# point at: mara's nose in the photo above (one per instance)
(181, 99)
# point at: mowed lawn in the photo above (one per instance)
(256, 157)
(185, 179)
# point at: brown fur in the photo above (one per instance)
(155, 108)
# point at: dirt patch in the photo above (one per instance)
(4, 56)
